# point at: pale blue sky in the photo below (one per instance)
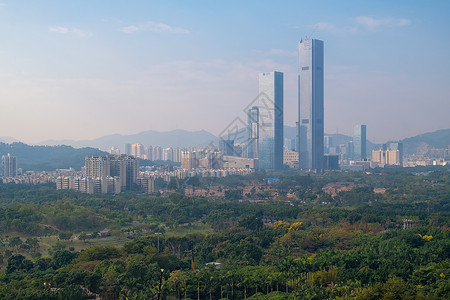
(83, 69)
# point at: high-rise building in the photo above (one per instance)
(167, 154)
(270, 142)
(138, 150)
(128, 149)
(150, 153)
(396, 146)
(124, 167)
(359, 142)
(227, 147)
(328, 143)
(311, 107)
(157, 153)
(383, 157)
(189, 160)
(97, 166)
(253, 132)
(9, 165)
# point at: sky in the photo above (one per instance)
(85, 69)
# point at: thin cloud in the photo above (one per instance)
(59, 29)
(65, 30)
(373, 24)
(362, 23)
(324, 26)
(154, 27)
(130, 29)
(281, 52)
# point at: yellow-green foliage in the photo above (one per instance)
(281, 225)
(296, 226)
(427, 238)
(323, 276)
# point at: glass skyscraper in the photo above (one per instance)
(270, 145)
(359, 142)
(310, 129)
(253, 132)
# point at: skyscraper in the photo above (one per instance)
(227, 147)
(359, 142)
(270, 120)
(9, 165)
(253, 132)
(310, 97)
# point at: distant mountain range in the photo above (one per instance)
(62, 153)
(8, 140)
(337, 138)
(174, 138)
(421, 143)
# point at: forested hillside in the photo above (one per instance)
(339, 235)
(48, 158)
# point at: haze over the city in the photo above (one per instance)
(83, 69)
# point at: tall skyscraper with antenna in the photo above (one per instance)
(310, 129)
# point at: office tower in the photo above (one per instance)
(311, 108)
(348, 150)
(227, 147)
(270, 142)
(253, 132)
(328, 143)
(128, 149)
(359, 142)
(331, 162)
(9, 165)
(239, 150)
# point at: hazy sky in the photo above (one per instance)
(83, 69)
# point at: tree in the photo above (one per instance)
(65, 235)
(18, 262)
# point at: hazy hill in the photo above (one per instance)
(423, 142)
(8, 140)
(183, 138)
(47, 158)
(174, 138)
(337, 138)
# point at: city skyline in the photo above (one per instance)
(58, 59)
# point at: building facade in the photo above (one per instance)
(270, 141)
(9, 165)
(311, 104)
(359, 143)
(226, 147)
(290, 158)
(253, 132)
